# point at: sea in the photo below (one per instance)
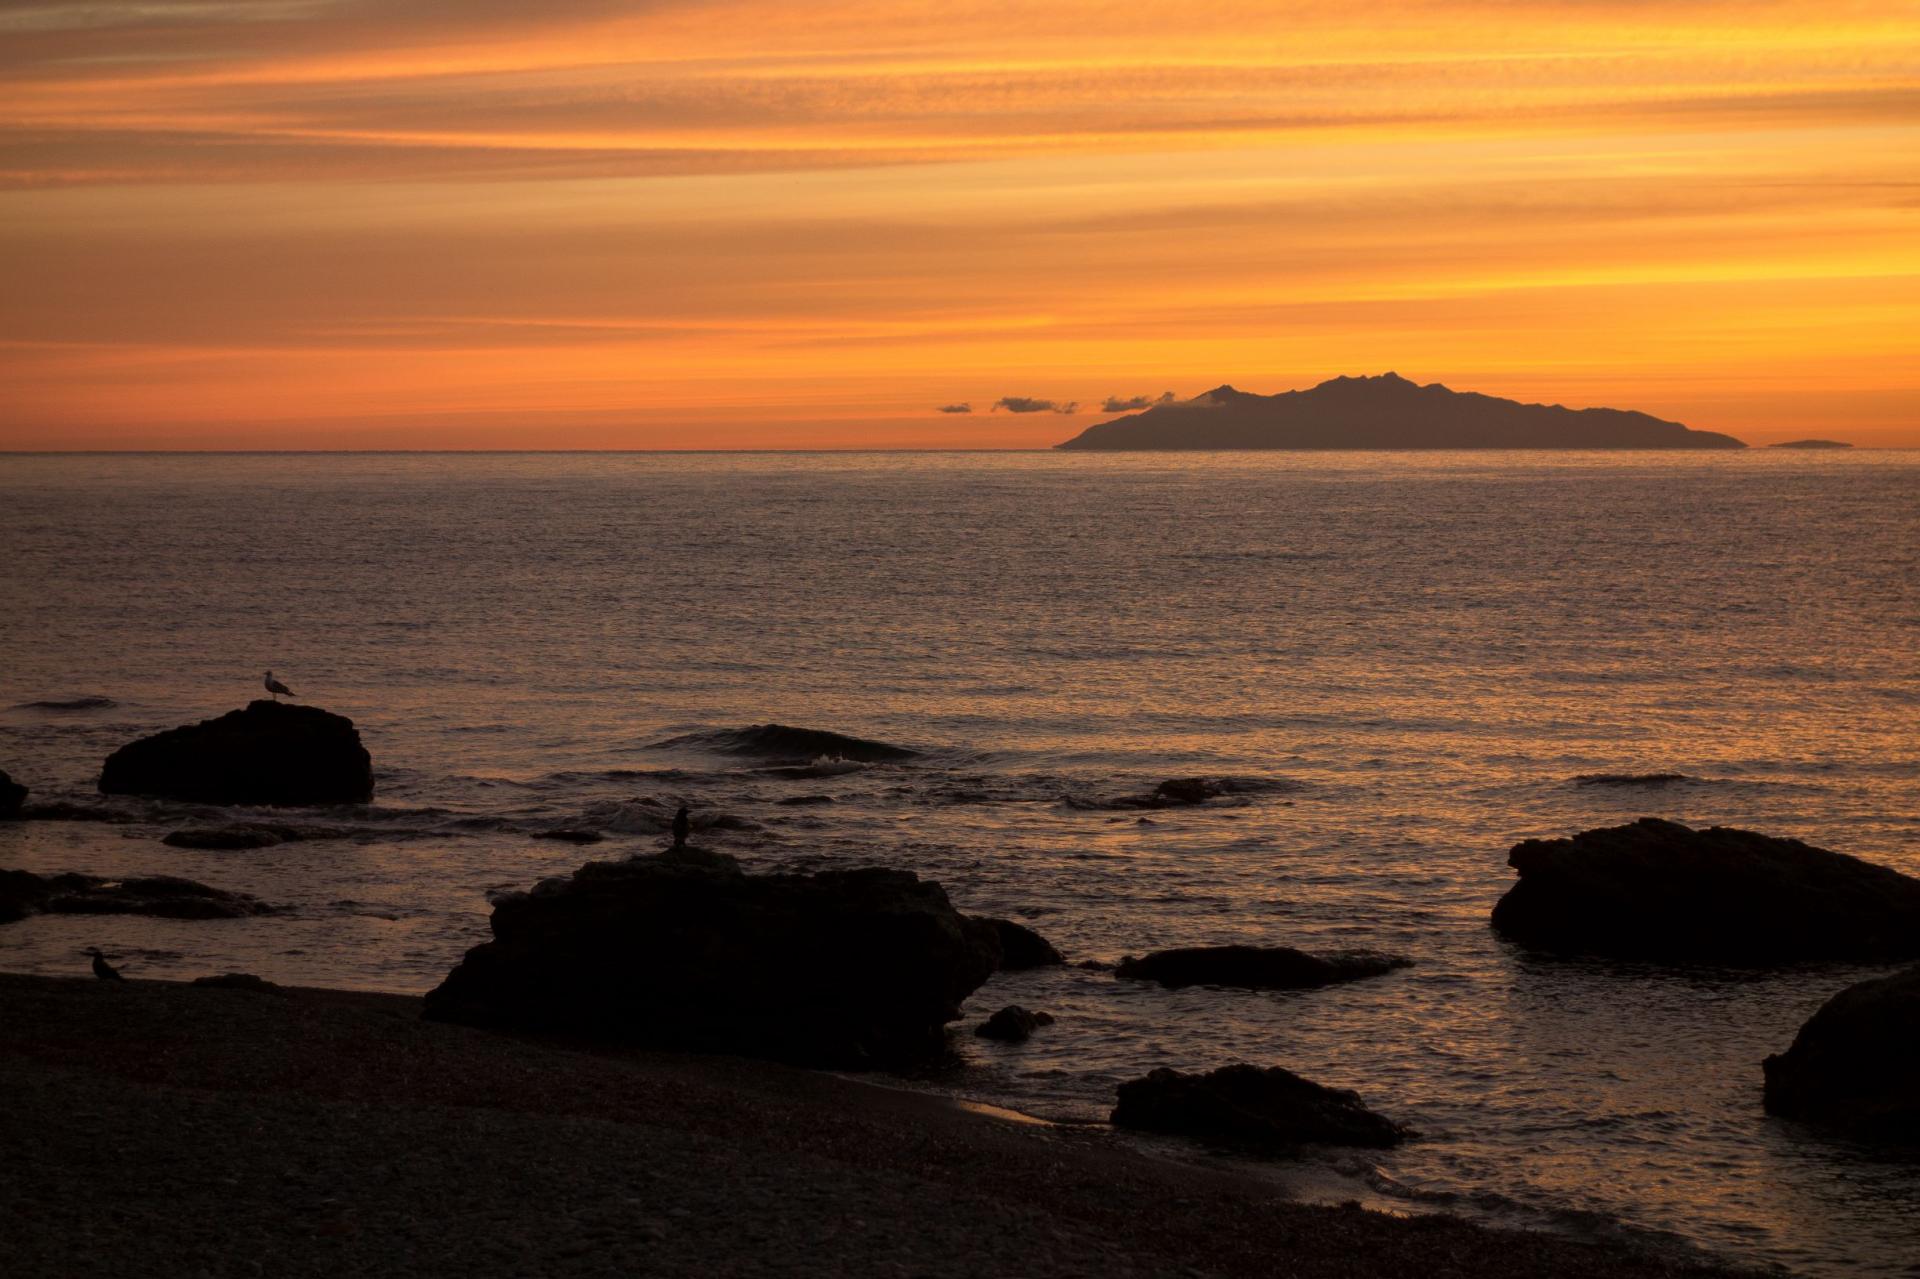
(1401, 664)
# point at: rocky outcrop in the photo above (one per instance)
(1012, 1025)
(241, 981)
(270, 753)
(1657, 890)
(12, 796)
(1257, 967)
(684, 950)
(1856, 1063)
(1249, 1108)
(1020, 946)
(23, 893)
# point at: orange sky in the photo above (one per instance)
(755, 223)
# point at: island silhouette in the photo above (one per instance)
(1385, 412)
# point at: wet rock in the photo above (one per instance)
(1657, 890)
(1250, 1108)
(224, 838)
(13, 796)
(23, 893)
(1020, 946)
(1856, 1063)
(1012, 1025)
(785, 742)
(571, 835)
(269, 753)
(683, 950)
(241, 981)
(1257, 967)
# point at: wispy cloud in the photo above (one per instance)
(956, 408)
(1028, 404)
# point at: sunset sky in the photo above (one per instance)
(750, 223)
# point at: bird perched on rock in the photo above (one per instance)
(102, 969)
(682, 826)
(275, 687)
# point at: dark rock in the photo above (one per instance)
(782, 741)
(269, 753)
(241, 981)
(1012, 1024)
(23, 893)
(1252, 1109)
(1021, 947)
(224, 838)
(1187, 790)
(1856, 1063)
(1657, 890)
(571, 835)
(683, 950)
(12, 797)
(1631, 779)
(1257, 967)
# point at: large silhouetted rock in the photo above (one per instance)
(683, 950)
(1257, 967)
(1657, 890)
(269, 753)
(1856, 1063)
(1385, 412)
(23, 893)
(1252, 1109)
(1020, 946)
(12, 796)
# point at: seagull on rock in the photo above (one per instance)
(275, 687)
(102, 969)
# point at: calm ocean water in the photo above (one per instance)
(1419, 651)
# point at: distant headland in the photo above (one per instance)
(1812, 444)
(1385, 412)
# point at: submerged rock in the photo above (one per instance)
(224, 838)
(1250, 1108)
(1632, 779)
(23, 893)
(12, 797)
(1657, 890)
(1185, 792)
(683, 950)
(783, 741)
(1020, 946)
(1856, 1062)
(269, 753)
(1012, 1024)
(1257, 967)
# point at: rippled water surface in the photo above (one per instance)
(1414, 654)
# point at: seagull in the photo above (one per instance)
(275, 687)
(102, 969)
(681, 826)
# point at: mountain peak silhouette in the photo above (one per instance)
(1386, 411)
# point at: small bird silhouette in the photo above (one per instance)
(682, 825)
(275, 687)
(102, 969)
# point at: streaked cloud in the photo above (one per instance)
(955, 408)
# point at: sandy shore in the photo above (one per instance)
(160, 1129)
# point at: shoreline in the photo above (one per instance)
(158, 1127)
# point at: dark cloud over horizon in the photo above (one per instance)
(1131, 403)
(1028, 404)
(954, 408)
